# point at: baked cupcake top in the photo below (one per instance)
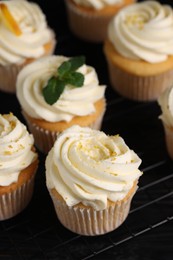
(24, 31)
(73, 101)
(97, 4)
(165, 101)
(16, 146)
(143, 31)
(90, 167)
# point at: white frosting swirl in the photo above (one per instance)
(97, 4)
(143, 31)
(165, 101)
(88, 166)
(72, 102)
(15, 149)
(35, 33)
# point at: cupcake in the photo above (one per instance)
(25, 37)
(139, 50)
(18, 165)
(91, 178)
(89, 19)
(57, 92)
(165, 101)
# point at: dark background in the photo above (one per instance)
(147, 234)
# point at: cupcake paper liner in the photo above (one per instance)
(88, 26)
(14, 202)
(146, 88)
(8, 75)
(87, 221)
(91, 26)
(44, 139)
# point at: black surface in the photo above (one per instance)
(147, 233)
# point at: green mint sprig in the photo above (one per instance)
(66, 74)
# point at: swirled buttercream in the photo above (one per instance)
(15, 149)
(165, 101)
(90, 167)
(143, 31)
(35, 33)
(72, 102)
(97, 4)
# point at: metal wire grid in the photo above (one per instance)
(37, 234)
(19, 240)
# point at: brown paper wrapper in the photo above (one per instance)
(44, 139)
(139, 88)
(85, 220)
(90, 26)
(8, 75)
(14, 202)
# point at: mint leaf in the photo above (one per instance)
(70, 66)
(53, 90)
(64, 68)
(75, 78)
(66, 74)
(76, 62)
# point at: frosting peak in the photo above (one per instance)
(165, 101)
(88, 166)
(15, 149)
(72, 102)
(34, 33)
(97, 4)
(143, 31)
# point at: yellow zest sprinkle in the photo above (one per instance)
(136, 20)
(21, 146)
(7, 153)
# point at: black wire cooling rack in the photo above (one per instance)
(37, 234)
